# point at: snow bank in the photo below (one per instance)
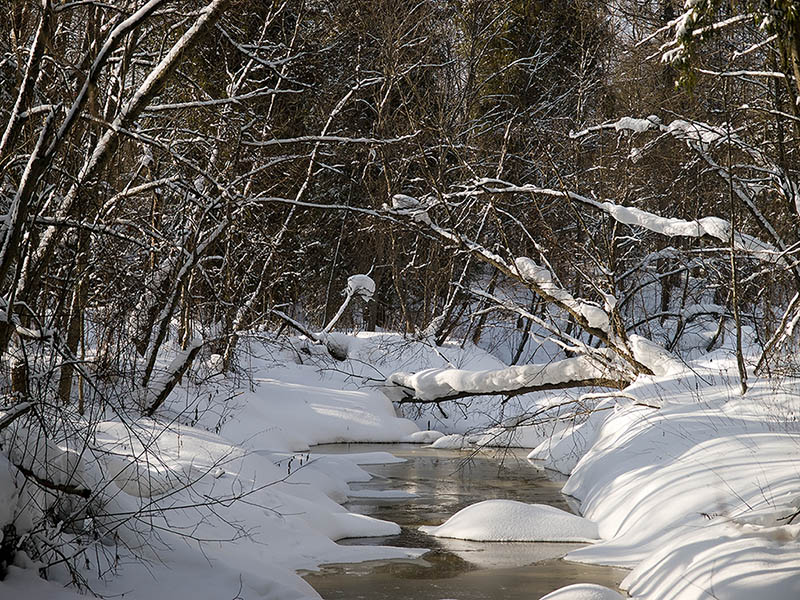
(283, 415)
(454, 441)
(244, 445)
(520, 436)
(583, 591)
(562, 450)
(735, 560)
(512, 521)
(658, 359)
(692, 495)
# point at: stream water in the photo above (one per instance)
(444, 482)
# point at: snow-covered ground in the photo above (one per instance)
(261, 505)
(682, 479)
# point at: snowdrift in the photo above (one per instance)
(512, 521)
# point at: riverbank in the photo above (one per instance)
(696, 495)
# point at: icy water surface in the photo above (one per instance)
(445, 481)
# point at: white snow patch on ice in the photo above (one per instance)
(512, 521)
(453, 441)
(583, 591)
(424, 437)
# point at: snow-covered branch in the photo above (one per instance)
(440, 385)
(591, 317)
(710, 227)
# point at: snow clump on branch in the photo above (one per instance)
(530, 271)
(637, 125)
(362, 286)
(409, 205)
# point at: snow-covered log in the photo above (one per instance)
(439, 385)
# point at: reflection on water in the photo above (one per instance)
(445, 481)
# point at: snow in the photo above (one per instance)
(424, 437)
(659, 360)
(25, 583)
(734, 560)
(711, 226)
(512, 521)
(534, 273)
(404, 202)
(435, 383)
(636, 125)
(562, 450)
(8, 493)
(706, 134)
(583, 591)
(453, 441)
(691, 495)
(408, 205)
(679, 477)
(514, 436)
(283, 415)
(361, 285)
(246, 445)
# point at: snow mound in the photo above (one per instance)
(512, 521)
(454, 441)
(337, 526)
(583, 591)
(428, 436)
(660, 360)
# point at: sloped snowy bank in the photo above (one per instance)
(695, 495)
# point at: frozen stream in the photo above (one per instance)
(444, 482)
